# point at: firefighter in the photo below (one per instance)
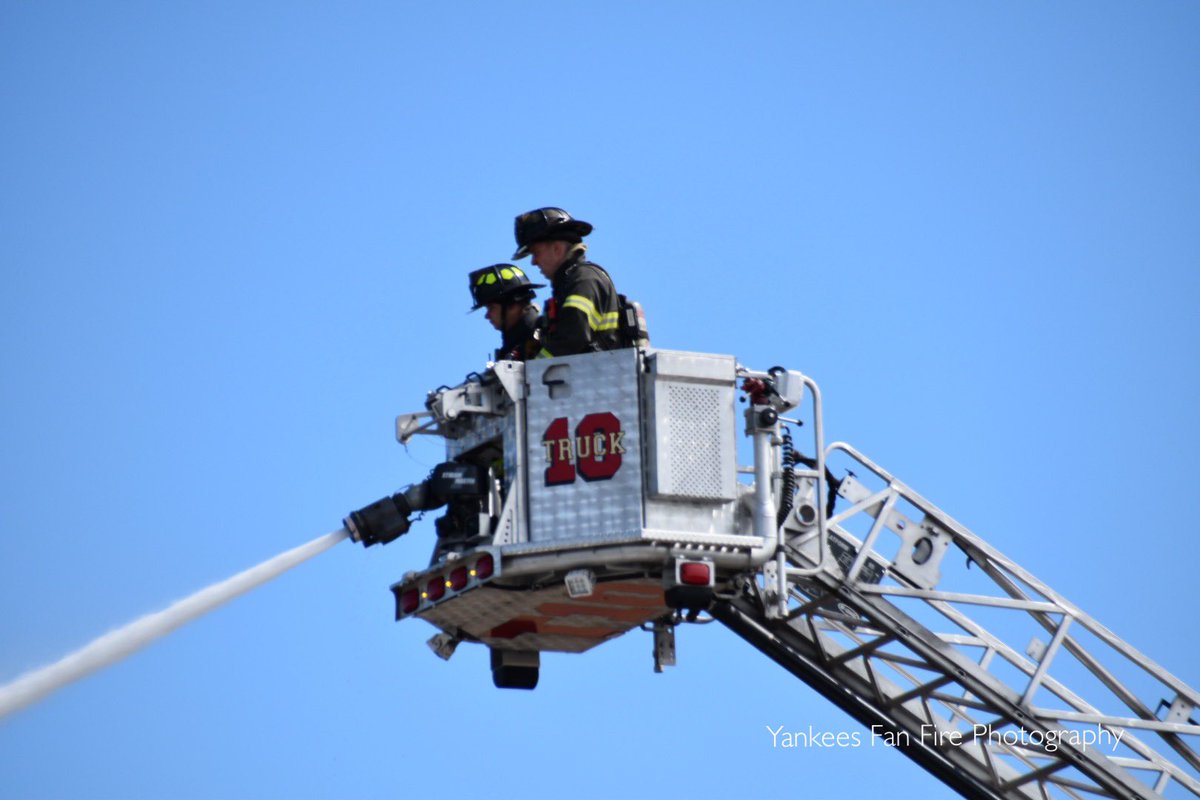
(583, 315)
(508, 295)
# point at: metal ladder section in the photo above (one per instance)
(934, 655)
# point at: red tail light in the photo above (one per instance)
(436, 588)
(484, 567)
(409, 601)
(458, 579)
(695, 573)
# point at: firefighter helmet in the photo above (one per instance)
(543, 224)
(500, 283)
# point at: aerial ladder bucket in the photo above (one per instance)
(590, 495)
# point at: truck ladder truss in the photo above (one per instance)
(988, 716)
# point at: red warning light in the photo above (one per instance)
(436, 588)
(458, 579)
(410, 599)
(695, 573)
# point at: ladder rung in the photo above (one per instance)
(865, 649)
(919, 691)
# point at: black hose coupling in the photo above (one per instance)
(381, 522)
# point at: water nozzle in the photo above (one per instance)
(381, 522)
(387, 520)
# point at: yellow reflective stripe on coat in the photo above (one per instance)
(610, 322)
(596, 320)
(578, 301)
(544, 353)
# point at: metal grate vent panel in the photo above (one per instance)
(694, 429)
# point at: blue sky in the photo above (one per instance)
(234, 241)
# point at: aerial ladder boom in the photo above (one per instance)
(929, 658)
(590, 495)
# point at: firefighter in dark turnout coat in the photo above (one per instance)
(583, 315)
(508, 295)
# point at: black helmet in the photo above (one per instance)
(500, 283)
(543, 224)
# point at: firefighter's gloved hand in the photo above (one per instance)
(381, 522)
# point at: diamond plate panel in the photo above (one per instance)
(584, 447)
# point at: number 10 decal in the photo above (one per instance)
(594, 451)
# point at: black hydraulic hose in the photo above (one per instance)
(788, 465)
